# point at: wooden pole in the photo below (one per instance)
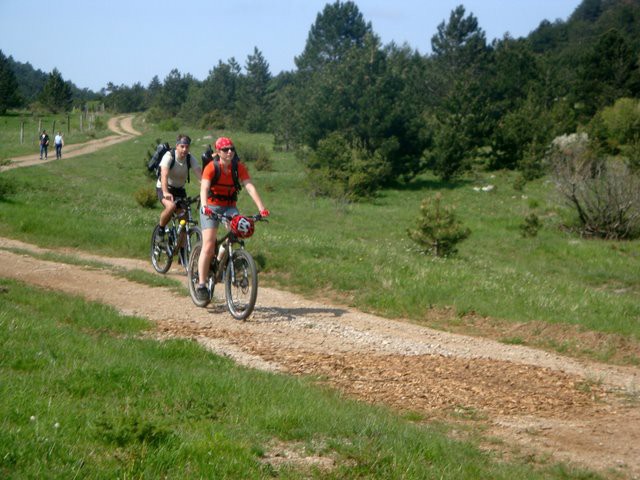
(21, 133)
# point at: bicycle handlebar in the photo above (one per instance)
(225, 216)
(186, 202)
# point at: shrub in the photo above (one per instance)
(438, 230)
(530, 226)
(146, 197)
(605, 192)
(6, 188)
(343, 169)
(213, 120)
(169, 125)
(257, 154)
(264, 163)
(519, 182)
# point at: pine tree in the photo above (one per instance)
(438, 230)
(9, 96)
(56, 95)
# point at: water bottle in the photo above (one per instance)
(180, 232)
(222, 251)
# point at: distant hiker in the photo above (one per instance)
(44, 144)
(219, 194)
(59, 142)
(174, 170)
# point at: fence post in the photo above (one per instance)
(21, 133)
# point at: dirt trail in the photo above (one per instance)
(539, 403)
(122, 127)
(542, 406)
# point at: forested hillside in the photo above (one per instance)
(367, 115)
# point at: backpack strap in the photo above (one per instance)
(173, 162)
(234, 175)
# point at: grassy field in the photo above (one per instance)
(360, 252)
(69, 125)
(83, 394)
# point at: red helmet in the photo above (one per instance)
(223, 142)
(241, 226)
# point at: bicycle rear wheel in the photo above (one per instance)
(160, 258)
(241, 284)
(195, 236)
(192, 276)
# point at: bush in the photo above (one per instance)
(169, 125)
(605, 192)
(213, 120)
(530, 226)
(257, 154)
(343, 169)
(146, 197)
(6, 188)
(438, 230)
(264, 163)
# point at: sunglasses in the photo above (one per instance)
(227, 149)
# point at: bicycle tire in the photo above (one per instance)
(195, 236)
(241, 285)
(192, 276)
(160, 258)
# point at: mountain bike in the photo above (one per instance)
(236, 267)
(181, 233)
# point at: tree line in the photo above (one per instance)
(363, 115)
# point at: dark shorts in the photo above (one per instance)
(175, 191)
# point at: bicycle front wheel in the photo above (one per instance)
(241, 284)
(160, 258)
(194, 236)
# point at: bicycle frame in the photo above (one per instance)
(178, 237)
(236, 269)
(227, 241)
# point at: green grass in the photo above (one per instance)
(11, 123)
(84, 395)
(361, 250)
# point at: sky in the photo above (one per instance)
(129, 41)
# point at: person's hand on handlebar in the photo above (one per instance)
(206, 210)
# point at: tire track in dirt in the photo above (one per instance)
(544, 403)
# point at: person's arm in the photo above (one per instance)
(253, 193)
(164, 181)
(205, 185)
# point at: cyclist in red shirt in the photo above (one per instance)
(220, 198)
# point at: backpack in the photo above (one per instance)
(208, 157)
(153, 165)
